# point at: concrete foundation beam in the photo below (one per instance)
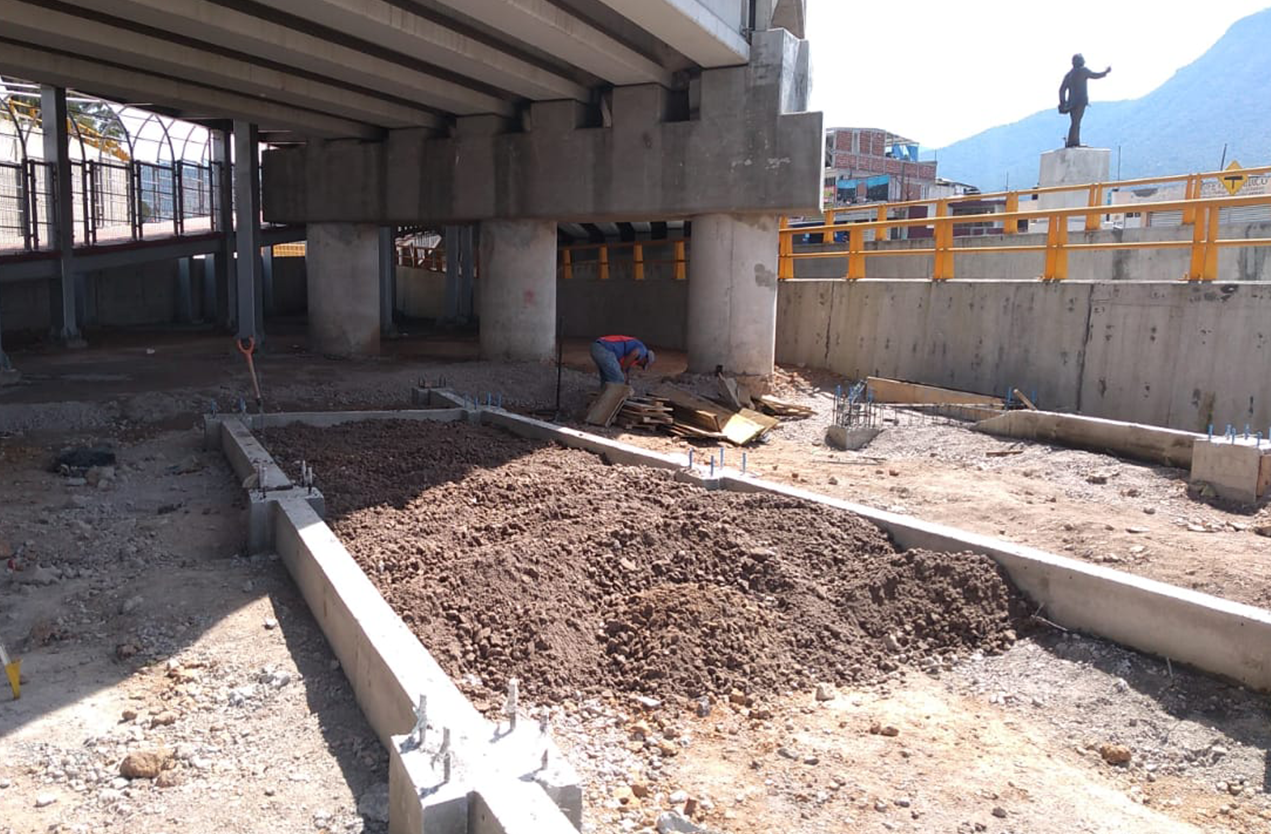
(518, 290)
(732, 294)
(1237, 468)
(1152, 444)
(342, 265)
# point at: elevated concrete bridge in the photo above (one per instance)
(511, 114)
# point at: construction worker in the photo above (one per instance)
(615, 355)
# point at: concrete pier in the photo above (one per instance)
(518, 290)
(732, 294)
(343, 273)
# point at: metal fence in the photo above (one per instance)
(26, 207)
(112, 202)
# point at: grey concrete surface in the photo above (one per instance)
(1238, 469)
(518, 290)
(654, 310)
(1071, 166)
(748, 149)
(1153, 444)
(1167, 354)
(732, 294)
(342, 273)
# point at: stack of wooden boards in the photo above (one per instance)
(682, 413)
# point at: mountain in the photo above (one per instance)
(1180, 127)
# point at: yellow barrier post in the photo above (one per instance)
(681, 263)
(637, 257)
(1010, 227)
(604, 263)
(856, 254)
(1056, 268)
(881, 232)
(785, 249)
(1096, 201)
(567, 264)
(942, 262)
(1191, 191)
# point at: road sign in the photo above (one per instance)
(1233, 182)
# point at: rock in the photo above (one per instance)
(647, 702)
(164, 719)
(125, 650)
(1263, 530)
(739, 698)
(167, 779)
(678, 797)
(879, 729)
(44, 800)
(145, 764)
(38, 575)
(1115, 754)
(673, 822)
(129, 715)
(880, 806)
(786, 752)
(1136, 530)
(833, 481)
(100, 475)
(999, 812)
(703, 707)
(1097, 478)
(824, 692)
(623, 795)
(270, 623)
(82, 458)
(130, 605)
(248, 586)
(4, 783)
(639, 788)
(372, 804)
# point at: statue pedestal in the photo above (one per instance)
(1071, 166)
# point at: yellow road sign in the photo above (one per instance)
(1233, 182)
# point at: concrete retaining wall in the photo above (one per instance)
(1252, 264)
(1168, 354)
(654, 310)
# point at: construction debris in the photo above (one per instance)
(606, 406)
(649, 413)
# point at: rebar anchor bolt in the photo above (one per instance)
(420, 730)
(509, 706)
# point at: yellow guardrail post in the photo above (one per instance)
(604, 263)
(880, 232)
(1211, 246)
(1011, 226)
(1096, 201)
(1056, 268)
(681, 262)
(942, 261)
(785, 249)
(567, 264)
(637, 260)
(856, 254)
(1191, 191)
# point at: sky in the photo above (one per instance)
(937, 71)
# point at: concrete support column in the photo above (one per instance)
(267, 280)
(223, 304)
(518, 289)
(732, 294)
(387, 246)
(63, 298)
(342, 268)
(467, 272)
(185, 290)
(450, 310)
(249, 289)
(8, 375)
(210, 269)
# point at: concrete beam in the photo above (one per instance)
(690, 27)
(554, 30)
(392, 27)
(91, 38)
(250, 292)
(194, 100)
(229, 28)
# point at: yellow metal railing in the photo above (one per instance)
(1201, 213)
(601, 264)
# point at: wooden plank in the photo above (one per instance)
(1019, 395)
(733, 393)
(695, 410)
(896, 391)
(783, 409)
(741, 429)
(602, 411)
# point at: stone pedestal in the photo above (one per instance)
(1237, 468)
(518, 290)
(342, 265)
(732, 294)
(1070, 166)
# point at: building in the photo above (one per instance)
(866, 165)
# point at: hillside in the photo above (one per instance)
(1178, 127)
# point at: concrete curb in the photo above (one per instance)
(500, 778)
(1210, 633)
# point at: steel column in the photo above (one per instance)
(249, 290)
(62, 299)
(388, 278)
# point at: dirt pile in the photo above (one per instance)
(510, 557)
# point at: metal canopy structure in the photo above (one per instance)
(356, 68)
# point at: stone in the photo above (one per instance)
(270, 623)
(167, 779)
(787, 753)
(126, 650)
(880, 806)
(678, 797)
(639, 788)
(674, 823)
(623, 795)
(372, 804)
(129, 715)
(880, 729)
(164, 719)
(4, 783)
(44, 800)
(130, 605)
(703, 707)
(1097, 478)
(739, 698)
(824, 692)
(1115, 754)
(999, 812)
(99, 475)
(145, 764)
(38, 575)
(1263, 530)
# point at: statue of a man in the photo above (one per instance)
(1073, 97)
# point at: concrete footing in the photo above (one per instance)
(342, 267)
(1238, 468)
(1152, 444)
(518, 290)
(732, 294)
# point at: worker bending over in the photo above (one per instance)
(615, 355)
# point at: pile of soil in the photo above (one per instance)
(511, 557)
